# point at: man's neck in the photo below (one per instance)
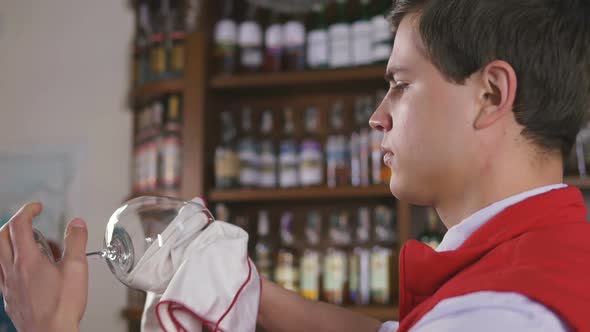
(492, 187)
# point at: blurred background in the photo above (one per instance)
(261, 107)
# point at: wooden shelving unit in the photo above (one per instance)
(156, 88)
(307, 78)
(296, 194)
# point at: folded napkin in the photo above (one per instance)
(197, 276)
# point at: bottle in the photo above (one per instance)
(263, 247)
(360, 258)
(177, 37)
(340, 38)
(362, 119)
(382, 34)
(222, 213)
(311, 258)
(227, 162)
(274, 43)
(286, 273)
(288, 158)
(382, 255)
(335, 269)
(268, 159)
(311, 168)
(337, 147)
(294, 37)
(171, 145)
(361, 37)
(248, 153)
(431, 235)
(250, 41)
(158, 54)
(142, 42)
(317, 39)
(225, 39)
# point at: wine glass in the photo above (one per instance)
(139, 229)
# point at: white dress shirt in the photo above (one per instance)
(488, 310)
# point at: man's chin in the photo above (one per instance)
(405, 192)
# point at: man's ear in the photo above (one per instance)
(498, 92)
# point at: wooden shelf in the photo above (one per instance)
(305, 78)
(382, 313)
(259, 195)
(580, 182)
(157, 88)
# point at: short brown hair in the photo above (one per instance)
(545, 41)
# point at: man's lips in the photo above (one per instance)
(387, 156)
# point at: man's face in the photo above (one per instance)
(429, 139)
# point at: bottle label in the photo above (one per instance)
(171, 162)
(250, 34)
(340, 55)
(274, 38)
(380, 276)
(177, 59)
(382, 39)
(310, 271)
(294, 34)
(252, 57)
(158, 59)
(335, 272)
(267, 170)
(361, 32)
(317, 49)
(226, 32)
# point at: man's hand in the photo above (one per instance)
(38, 294)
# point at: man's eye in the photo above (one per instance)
(398, 86)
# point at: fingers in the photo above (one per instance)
(6, 258)
(75, 241)
(21, 230)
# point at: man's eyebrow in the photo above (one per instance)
(391, 71)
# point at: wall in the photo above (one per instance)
(63, 79)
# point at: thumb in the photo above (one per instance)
(75, 241)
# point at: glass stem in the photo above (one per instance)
(101, 253)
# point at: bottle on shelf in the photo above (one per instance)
(286, 272)
(340, 37)
(335, 267)
(153, 144)
(177, 38)
(382, 34)
(226, 40)
(311, 258)
(268, 156)
(360, 259)
(263, 248)
(381, 256)
(248, 153)
(142, 41)
(311, 168)
(432, 235)
(362, 36)
(227, 162)
(274, 44)
(158, 60)
(317, 39)
(288, 157)
(250, 42)
(362, 119)
(222, 213)
(294, 37)
(171, 145)
(337, 149)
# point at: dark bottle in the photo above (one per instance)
(250, 42)
(263, 248)
(226, 36)
(294, 37)
(317, 39)
(274, 45)
(177, 38)
(432, 235)
(142, 41)
(158, 55)
(226, 157)
(287, 266)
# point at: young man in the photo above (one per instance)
(485, 103)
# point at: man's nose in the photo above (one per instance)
(380, 120)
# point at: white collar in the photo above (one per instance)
(457, 234)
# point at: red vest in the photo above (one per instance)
(539, 248)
